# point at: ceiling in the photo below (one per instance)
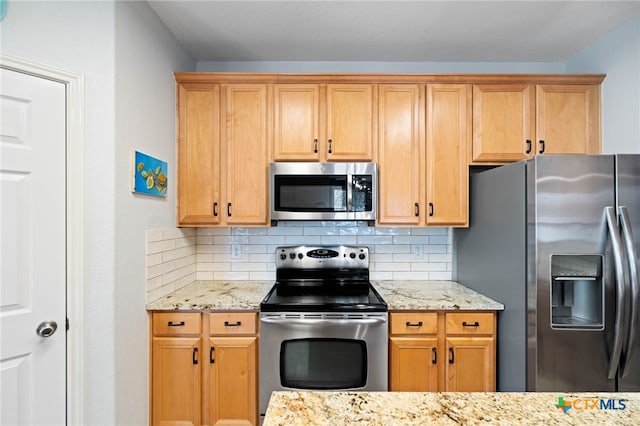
(422, 31)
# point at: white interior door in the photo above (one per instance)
(32, 250)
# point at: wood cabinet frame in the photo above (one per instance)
(433, 340)
(194, 199)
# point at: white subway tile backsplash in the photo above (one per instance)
(262, 276)
(444, 276)
(154, 235)
(178, 256)
(231, 276)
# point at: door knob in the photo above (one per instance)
(47, 328)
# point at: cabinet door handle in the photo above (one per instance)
(451, 356)
(175, 324)
(466, 324)
(330, 148)
(434, 360)
(195, 356)
(528, 151)
(417, 209)
(315, 146)
(430, 209)
(228, 324)
(418, 324)
(229, 209)
(541, 147)
(211, 360)
(215, 209)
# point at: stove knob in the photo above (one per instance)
(361, 256)
(292, 255)
(352, 255)
(300, 255)
(283, 256)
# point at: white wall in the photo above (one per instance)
(616, 54)
(130, 102)
(384, 67)
(146, 55)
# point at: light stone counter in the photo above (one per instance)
(215, 295)
(433, 296)
(399, 295)
(406, 408)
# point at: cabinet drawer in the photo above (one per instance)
(232, 323)
(414, 323)
(176, 323)
(470, 323)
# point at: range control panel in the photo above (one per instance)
(314, 257)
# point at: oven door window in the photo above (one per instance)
(319, 363)
(310, 193)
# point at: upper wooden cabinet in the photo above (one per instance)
(568, 119)
(423, 156)
(400, 148)
(314, 122)
(448, 138)
(222, 168)
(296, 122)
(512, 122)
(198, 154)
(246, 151)
(422, 130)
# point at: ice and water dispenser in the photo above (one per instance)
(577, 292)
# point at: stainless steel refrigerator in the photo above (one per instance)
(556, 239)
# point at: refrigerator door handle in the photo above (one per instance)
(612, 223)
(635, 288)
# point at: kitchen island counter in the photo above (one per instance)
(415, 408)
(399, 295)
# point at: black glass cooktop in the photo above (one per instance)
(282, 298)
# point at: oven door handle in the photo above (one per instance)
(317, 321)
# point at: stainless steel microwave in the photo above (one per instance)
(323, 191)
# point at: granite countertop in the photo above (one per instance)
(433, 296)
(415, 408)
(399, 295)
(214, 295)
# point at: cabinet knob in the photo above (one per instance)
(451, 356)
(541, 151)
(229, 209)
(434, 359)
(315, 146)
(417, 209)
(430, 209)
(195, 356)
(215, 209)
(528, 151)
(330, 147)
(466, 324)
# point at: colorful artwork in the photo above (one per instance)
(149, 175)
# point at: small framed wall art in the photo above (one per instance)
(149, 175)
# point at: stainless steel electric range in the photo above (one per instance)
(322, 326)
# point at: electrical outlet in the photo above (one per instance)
(236, 252)
(417, 251)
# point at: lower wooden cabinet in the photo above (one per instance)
(204, 368)
(442, 351)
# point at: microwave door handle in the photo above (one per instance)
(635, 288)
(619, 332)
(350, 184)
